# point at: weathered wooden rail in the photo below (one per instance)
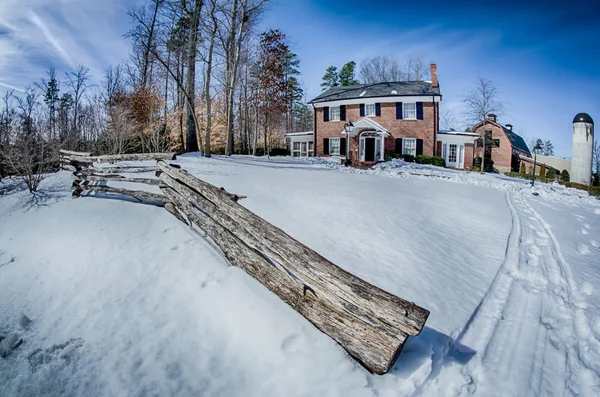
(73, 161)
(370, 323)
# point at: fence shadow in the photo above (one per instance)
(432, 345)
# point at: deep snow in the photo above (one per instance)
(126, 300)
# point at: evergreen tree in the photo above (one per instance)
(548, 148)
(51, 99)
(523, 170)
(303, 117)
(331, 78)
(346, 75)
(293, 91)
(540, 145)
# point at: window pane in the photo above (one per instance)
(334, 113)
(334, 146)
(370, 109)
(296, 145)
(410, 110)
(452, 154)
(409, 146)
(310, 146)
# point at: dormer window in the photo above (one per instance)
(334, 113)
(369, 109)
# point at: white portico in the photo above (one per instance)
(371, 136)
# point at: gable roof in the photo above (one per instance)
(516, 140)
(396, 88)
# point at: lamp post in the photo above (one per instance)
(348, 127)
(535, 149)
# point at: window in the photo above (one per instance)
(334, 146)
(452, 153)
(409, 110)
(334, 113)
(296, 149)
(369, 109)
(409, 146)
(310, 149)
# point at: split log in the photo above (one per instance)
(117, 170)
(72, 153)
(376, 350)
(114, 158)
(139, 195)
(378, 323)
(115, 178)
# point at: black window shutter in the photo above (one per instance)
(419, 110)
(399, 110)
(398, 149)
(325, 145)
(362, 110)
(419, 146)
(378, 109)
(326, 113)
(342, 146)
(343, 112)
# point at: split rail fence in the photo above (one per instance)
(370, 323)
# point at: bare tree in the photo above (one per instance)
(596, 158)
(385, 69)
(448, 121)
(480, 101)
(416, 70)
(191, 143)
(77, 82)
(212, 34)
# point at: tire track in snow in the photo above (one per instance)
(530, 331)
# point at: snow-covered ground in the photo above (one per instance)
(127, 301)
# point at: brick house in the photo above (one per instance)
(395, 117)
(507, 147)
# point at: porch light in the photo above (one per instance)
(535, 150)
(348, 127)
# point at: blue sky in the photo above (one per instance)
(542, 55)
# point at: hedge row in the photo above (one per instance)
(528, 176)
(592, 190)
(420, 159)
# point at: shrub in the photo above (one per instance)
(579, 186)
(278, 152)
(391, 156)
(594, 190)
(543, 170)
(433, 160)
(476, 168)
(551, 173)
(408, 158)
(564, 176)
(489, 164)
(523, 169)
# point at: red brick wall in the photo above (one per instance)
(502, 155)
(469, 147)
(420, 129)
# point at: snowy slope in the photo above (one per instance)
(127, 301)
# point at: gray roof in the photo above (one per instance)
(402, 88)
(516, 140)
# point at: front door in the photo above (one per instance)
(452, 160)
(370, 149)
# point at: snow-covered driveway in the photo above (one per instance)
(127, 301)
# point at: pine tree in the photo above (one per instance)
(548, 148)
(523, 170)
(543, 170)
(51, 99)
(331, 78)
(346, 74)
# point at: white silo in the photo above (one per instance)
(583, 145)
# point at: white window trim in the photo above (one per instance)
(367, 114)
(339, 143)
(404, 111)
(331, 113)
(405, 146)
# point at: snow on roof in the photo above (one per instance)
(450, 132)
(299, 133)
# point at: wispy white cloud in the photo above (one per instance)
(51, 38)
(12, 87)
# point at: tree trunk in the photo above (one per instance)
(192, 141)
(207, 79)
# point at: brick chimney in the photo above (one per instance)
(509, 127)
(433, 72)
(492, 117)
